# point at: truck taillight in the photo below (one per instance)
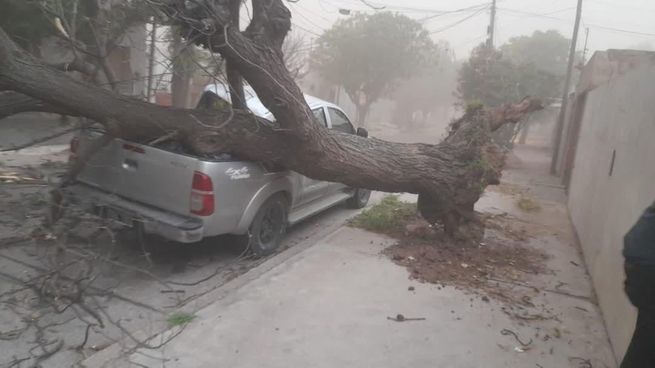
(74, 146)
(202, 195)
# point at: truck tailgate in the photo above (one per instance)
(144, 174)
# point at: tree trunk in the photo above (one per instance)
(234, 80)
(12, 103)
(181, 78)
(152, 49)
(524, 132)
(362, 113)
(100, 31)
(449, 177)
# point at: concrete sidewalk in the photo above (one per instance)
(328, 306)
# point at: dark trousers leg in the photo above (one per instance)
(641, 352)
(640, 287)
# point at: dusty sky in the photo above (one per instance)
(611, 23)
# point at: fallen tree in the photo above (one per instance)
(449, 177)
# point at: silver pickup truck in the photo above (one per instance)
(167, 191)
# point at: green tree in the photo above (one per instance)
(493, 79)
(545, 50)
(486, 78)
(368, 54)
(431, 90)
(490, 78)
(526, 65)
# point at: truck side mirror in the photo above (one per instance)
(362, 132)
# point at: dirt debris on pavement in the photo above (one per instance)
(22, 176)
(401, 318)
(528, 204)
(25, 195)
(489, 268)
(507, 188)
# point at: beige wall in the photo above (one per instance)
(620, 116)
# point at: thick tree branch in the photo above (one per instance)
(449, 177)
(513, 113)
(271, 21)
(132, 119)
(77, 65)
(234, 80)
(12, 103)
(102, 48)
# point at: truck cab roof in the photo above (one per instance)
(256, 106)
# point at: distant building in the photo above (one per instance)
(128, 60)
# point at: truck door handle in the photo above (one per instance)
(130, 164)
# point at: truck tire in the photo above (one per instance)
(359, 199)
(269, 226)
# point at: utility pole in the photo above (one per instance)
(584, 50)
(492, 25)
(565, 95)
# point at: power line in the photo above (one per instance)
(407, 9)
(320, 3)
(591, 25)
(370, 5)
(459, 21)
(623, 7)
(306, 29)
(504, 25)
(620, 30)
(542, 15)
(477, 9)
(449, 12)
(559, 11)
(299, 10)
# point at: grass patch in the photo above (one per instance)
(528, 204)
(179, 318)
(390, 215)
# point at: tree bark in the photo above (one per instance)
(449, 177)
(99, 29)
(180, 80)
(362, 114)
(234, 80)
(77, 65)
(12, 103)
(523, 137)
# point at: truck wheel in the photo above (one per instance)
(268, 226)
(359, 199)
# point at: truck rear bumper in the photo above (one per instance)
(155, 221)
